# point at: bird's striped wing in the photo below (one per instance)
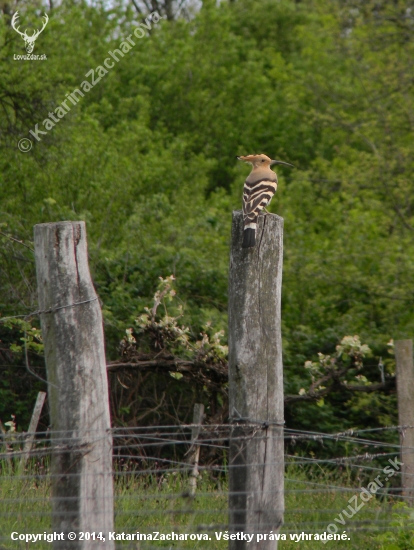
(255, 197)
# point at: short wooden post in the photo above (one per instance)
(4, 447)
(405, 392)
(71, 321)
(195, 447)
(31, 432)
(256, 455)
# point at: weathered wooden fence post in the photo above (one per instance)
(256, 455)
(71, 321)
(405, 392)
(31, 432)
(194, 453)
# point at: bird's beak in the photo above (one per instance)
(273, 162)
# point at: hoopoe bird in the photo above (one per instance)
(259, 188)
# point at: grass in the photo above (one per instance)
(146, 503)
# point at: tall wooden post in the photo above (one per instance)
(71, 321)
(405, 391)
(256, 455)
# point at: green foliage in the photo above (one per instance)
(163, 334)
(157, 501)
(18, 387)
(401, 536)
(31, 336)
(350, 350)
(146, 158)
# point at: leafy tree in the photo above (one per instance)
(146, 158)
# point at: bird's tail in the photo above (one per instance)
(249, 237)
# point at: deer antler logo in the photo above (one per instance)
(28, 40)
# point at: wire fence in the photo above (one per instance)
(358, 492)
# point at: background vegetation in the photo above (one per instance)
(147, 159)
(147, 503)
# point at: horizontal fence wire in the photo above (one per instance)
(327, 476)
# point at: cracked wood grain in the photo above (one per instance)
(82, 487)
(256, 464)
(405, 389)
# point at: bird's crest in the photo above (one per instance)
(252, 159)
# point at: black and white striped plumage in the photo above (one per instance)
(259, 188)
